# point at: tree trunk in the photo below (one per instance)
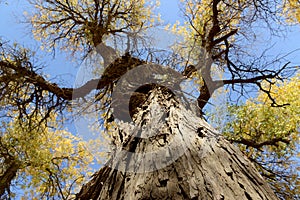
(176, 155)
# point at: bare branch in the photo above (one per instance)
(258, 145)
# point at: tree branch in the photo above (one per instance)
(258, 145)
(254, 80)
(225, 37)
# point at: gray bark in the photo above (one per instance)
(189, 160)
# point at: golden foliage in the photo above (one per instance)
(270, 135)
(291, 10)
(53, 162)
(76, 25)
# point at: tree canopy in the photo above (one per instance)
(38, 153)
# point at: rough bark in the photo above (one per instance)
(195, 163)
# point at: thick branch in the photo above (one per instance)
(258, 145)
(112, 73)
(210, 86)
(224, 37)
(221, 83)
(205, 90)
(204, 96)
(31, 76)
(215, 26)
(9, 174)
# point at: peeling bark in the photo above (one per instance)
(196, 162)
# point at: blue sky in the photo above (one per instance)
(64, 71)
(11, 29)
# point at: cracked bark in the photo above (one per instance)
(209, 167)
